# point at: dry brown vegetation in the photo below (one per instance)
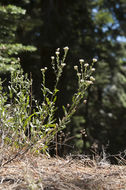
(30, 172)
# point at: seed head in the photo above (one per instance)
(12, 62)
(78, 74)
(81, 61)
(58, 49)
(43, 70)
(57, 52)
(18, 58)
(86, 64)
(81, 80)
(94, 60)
(52, 57)
(68, 105)
(63, 64)
(93, 69)
(66, 49)
(89, 82)
(85, 101)
(76, 67)
(92, 78)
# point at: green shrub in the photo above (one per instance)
(20, 125)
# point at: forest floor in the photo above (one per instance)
(30, 172)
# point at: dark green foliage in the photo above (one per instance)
(10, 16)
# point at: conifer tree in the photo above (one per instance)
(10, 17)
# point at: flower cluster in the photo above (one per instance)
(84, 74)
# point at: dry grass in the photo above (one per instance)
(30, 172)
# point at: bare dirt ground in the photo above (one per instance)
(30, 172)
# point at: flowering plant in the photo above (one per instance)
(22, 126)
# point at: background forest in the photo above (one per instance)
(91, 29)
